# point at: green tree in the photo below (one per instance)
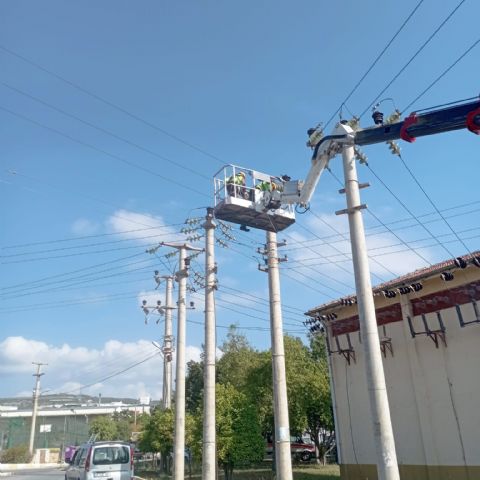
(237, 361)
(318, 401)
(124, 423)
(239, 435)
(158, 433)
(104, 428)
(193, 386)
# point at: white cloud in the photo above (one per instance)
(331, 253)
(137, 226)
(75, 369)
(83, 226)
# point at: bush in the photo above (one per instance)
(18, 454)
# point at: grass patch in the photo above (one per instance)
(310, 472)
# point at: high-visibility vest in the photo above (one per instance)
(264, 186)
(237, 179)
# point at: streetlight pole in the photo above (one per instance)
(36, 394)
(382, 425)
(283, 459)
(209, 439)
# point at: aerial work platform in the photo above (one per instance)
(251, 199)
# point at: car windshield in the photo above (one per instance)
(110, 455)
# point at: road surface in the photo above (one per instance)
(40, 474)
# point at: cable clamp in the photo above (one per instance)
(473, 121)
(409, 121)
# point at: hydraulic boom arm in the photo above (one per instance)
(465, 115)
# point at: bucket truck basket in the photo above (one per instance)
(251, 199)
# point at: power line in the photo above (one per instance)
(111, 104)
(104, 152)
(379, 56)
(94, 199)
(429, 39)
(116, 374)
(393, 252)
(420, 95)
(386, 225)
(344, 237)
(433, 204)
(103, 130)
(392, 245)
(71, 272)
(88, 279)
(99, 244)
(409, 211)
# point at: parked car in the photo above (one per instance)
(105, 460)
(299, 449)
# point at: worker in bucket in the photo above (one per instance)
(236, 185)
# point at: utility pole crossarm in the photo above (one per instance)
(457, 117)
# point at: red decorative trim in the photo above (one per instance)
(423, 305)
(446, 299)
(410, 120)
(390, 314)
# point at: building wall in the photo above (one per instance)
(434, 393)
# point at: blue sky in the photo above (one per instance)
(114, 117)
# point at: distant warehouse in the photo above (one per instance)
(429, 328)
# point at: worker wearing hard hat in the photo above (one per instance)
(236, 185)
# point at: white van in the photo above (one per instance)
(102, 460)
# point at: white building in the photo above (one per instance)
(429, 332)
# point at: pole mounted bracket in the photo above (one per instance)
(360, 185)
(473, 121)
(410, 120)
(363, 206)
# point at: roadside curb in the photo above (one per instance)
(12, 467)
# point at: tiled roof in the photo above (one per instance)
(409, 278)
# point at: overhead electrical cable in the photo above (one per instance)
(103, 130)
(87, 276)
(116, 374)
(393, 245)
(111, 104)
(431, 85)
(412, 58)
(382, 254)
(86, 237)
(72, 272)
(433, 204)
(433, 236)
(344, 237)
(389, 230)
(104, 152)
(88, 197)
(386, 225)
(99, 244)
(379, 56)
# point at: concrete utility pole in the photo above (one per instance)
(283, 459)
(36, 394)
(382, 425)
(167, 345)
(179, 434)
(209, 439)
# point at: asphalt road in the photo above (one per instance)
(41, 474)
